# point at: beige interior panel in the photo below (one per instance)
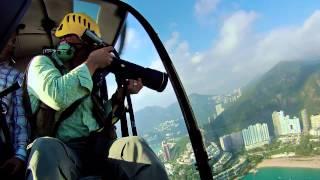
(32, 39)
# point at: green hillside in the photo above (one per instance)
(289, 86)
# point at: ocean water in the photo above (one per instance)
(284, 174)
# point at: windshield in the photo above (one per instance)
(251, 72)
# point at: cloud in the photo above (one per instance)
(234, 31)
(294, 43)
(241, 54)
(197, 58)
(237, 56)
(173, 41)
(133, 38)
(148, 97)
(205, 7)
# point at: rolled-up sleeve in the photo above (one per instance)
(54, 89)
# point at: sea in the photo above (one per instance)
(284, 174)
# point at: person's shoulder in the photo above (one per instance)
(40, 60)
(10, 70)
(10, 73)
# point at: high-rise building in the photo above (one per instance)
(276, 122)
(315, 132)
(315, 121)
(292, 125)
(284, 125)
(225, 142)
(219, 109)
(166, 151)
(237, 92)
(237, 141)
(231, 142)
(256, 135)
(305, 121)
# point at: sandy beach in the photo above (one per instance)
(301, 162)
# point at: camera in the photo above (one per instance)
(153, 79)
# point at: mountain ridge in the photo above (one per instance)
(286, 87)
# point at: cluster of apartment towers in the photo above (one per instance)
(258, 135)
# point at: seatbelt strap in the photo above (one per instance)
(4, 127)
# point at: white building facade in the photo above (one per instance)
(256, 136)
(284, 125)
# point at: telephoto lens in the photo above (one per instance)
(153, 79)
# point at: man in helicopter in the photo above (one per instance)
(60, 88)
(13, 154)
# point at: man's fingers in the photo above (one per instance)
(134, 86)
(135, 83)
(140, 82)
(108, 48)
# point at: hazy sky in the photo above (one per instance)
(219, 45)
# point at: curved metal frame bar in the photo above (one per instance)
(11, 17)
(191, 123)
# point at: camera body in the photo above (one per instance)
(151, 78)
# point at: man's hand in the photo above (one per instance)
(134, 86)
(99, 58)
(13, 166)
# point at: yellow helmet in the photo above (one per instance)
(77, 23)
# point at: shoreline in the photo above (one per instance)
(292, 162)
